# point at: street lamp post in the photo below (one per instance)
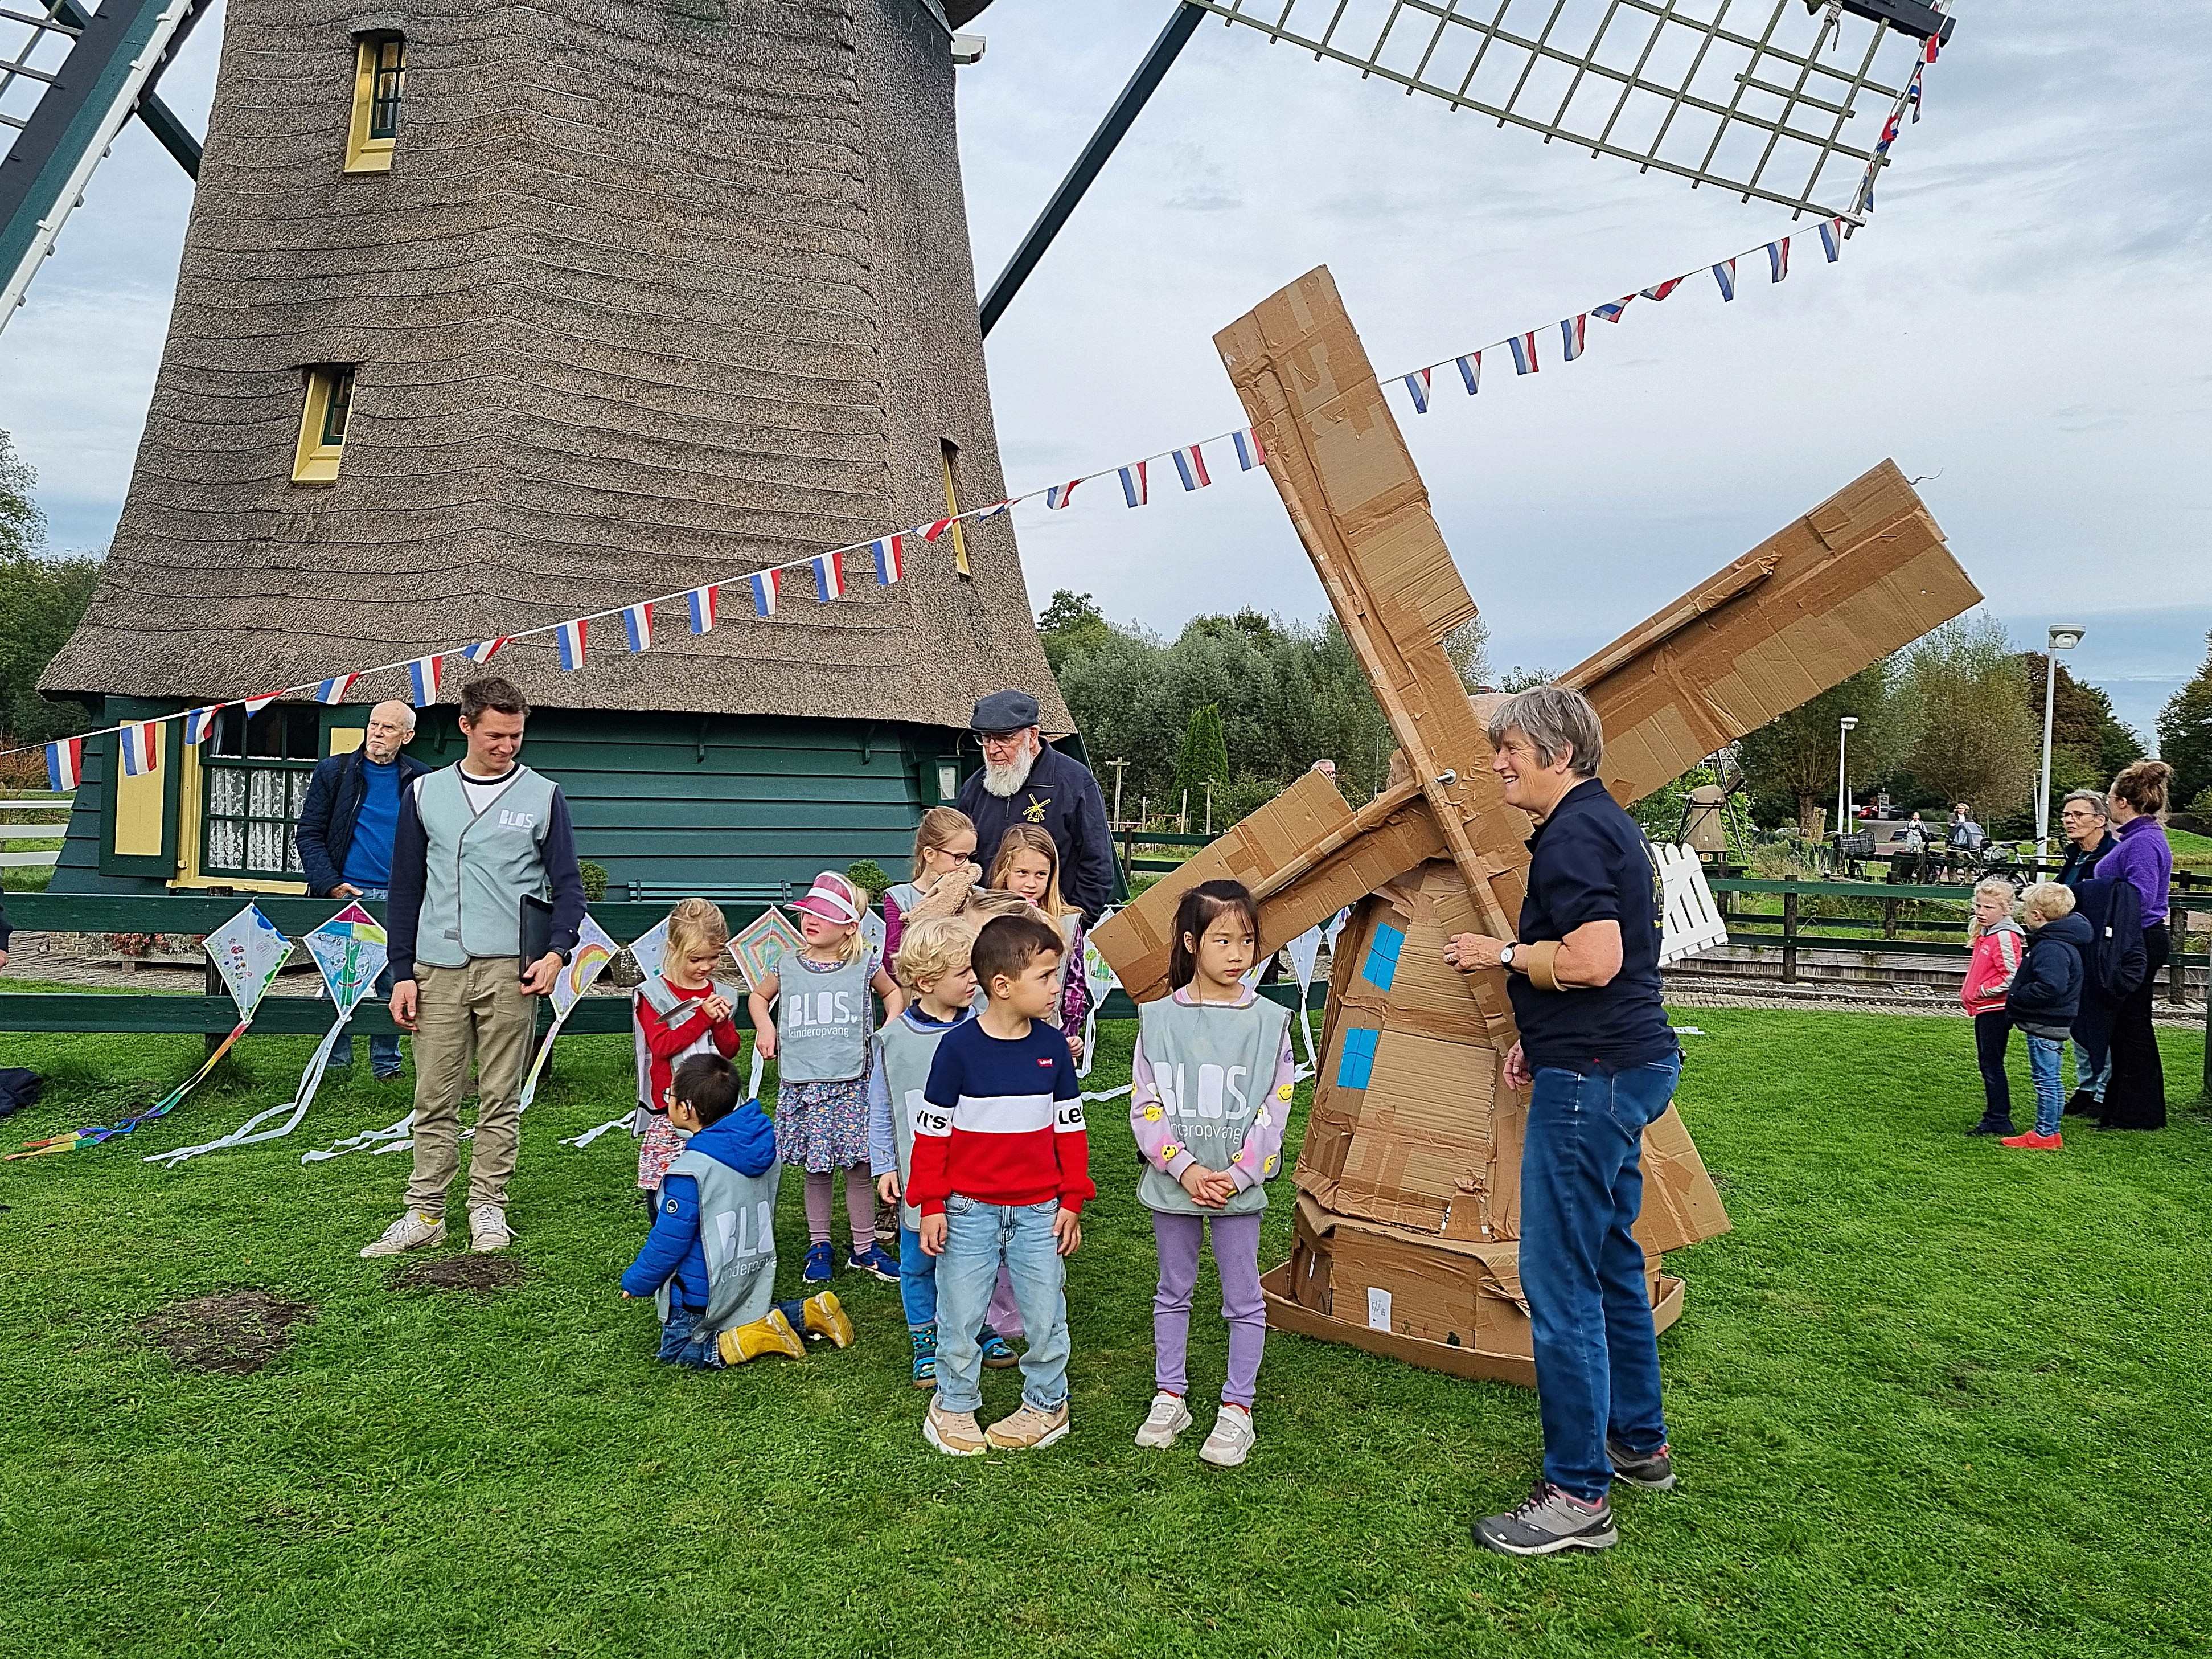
(1842, 788)
(2061, 639)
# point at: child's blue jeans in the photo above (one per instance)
(918, 1291)
(2042, 1057)
(684, 1341)
(978, 1237)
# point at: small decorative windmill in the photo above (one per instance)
(1409, 1175)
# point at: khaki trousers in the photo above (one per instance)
(477, 1012)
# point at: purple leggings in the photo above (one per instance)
(859, 1206)
(1237, 1254)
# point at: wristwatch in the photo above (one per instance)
(1505, 956)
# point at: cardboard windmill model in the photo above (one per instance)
(1408, 1183)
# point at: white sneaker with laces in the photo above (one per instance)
(488, 1229)
(409, 1232)
(1167, 1417)
(1230, 1442)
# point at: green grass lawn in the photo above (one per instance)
(1929, 1398)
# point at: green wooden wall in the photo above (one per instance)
(703, 803)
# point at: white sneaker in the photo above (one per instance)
(488, 1229)
(1230, 1442)
(1167, 1417)
(409, 1232)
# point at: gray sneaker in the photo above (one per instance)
(1551, 1521)
(1654, 1471)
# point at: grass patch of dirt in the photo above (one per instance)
(481, 1273)
(235, 1332)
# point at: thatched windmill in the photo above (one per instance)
(1409, 1175)
(492, 316)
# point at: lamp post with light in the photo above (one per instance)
(2061, 639)
(1842, 787)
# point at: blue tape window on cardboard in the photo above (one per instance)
(1355, 1060)
(1381, 964)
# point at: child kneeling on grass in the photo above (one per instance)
(1001, 1170)
(934, 968)
(2044, 998)
(709, 1261)
(1212, 1077)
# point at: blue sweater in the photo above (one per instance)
(745, 1140)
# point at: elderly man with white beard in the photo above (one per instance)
(1025, 780)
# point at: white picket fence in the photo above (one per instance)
(17, 829)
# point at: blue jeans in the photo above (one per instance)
(917, 1281)
(1597, 1353)
(2042, 1058)
(978, 1237)
(383, 1051)
(2088, 1072)
(684, 1343)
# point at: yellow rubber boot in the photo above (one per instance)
(771, 1335)
(826, 1317)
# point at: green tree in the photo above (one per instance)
(2089, 743)
(1976, 741)
(41, 601)
(1793, 758)
(1205, 756)
(1070, 625)
(2184, 733)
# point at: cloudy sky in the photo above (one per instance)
(2020, 326)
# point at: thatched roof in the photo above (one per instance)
(645, 301)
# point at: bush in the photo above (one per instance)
(595, 880)
(869, 876)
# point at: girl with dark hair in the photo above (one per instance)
(2134, 1096)
(1212, 1078)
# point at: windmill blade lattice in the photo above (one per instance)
(1780, 100)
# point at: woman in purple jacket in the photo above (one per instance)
(2135, 1099)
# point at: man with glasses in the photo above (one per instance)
(345, 835)
(1025, 780)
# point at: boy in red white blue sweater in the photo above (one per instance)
(1001, 1170)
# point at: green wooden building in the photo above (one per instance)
(491, 319)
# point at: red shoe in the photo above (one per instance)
(2034, 1142)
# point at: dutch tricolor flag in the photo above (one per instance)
(142, 748)
(422, 680)
(889, 553)
(1610, 312)
(701, 601)
(829, 575)
(570, 637)
(1832, 239)
(199, 724)
(64, 763)
(1417, 386)
(1190, 466)
(1249, 454)
(1060, 495)
(1524, 348)
(931, 533)
(484, 650)
(1777, 258)
(637, 625)
(255, 705)
(765, 585)
(996, 509)
(1725, 274)
(1573, 333)
(1136, 487)
(1662, 290)
(333, 691)
(1470, 372)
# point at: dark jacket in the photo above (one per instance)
(1063, 799)
(745, 1140)
(2115, 959)
(2080, 866)
(2047, 989)
(324, 834)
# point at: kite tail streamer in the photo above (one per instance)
(538, 1064)
(355, 1143)
(93, 1134)
(629, 1120)
(245, 1134)
(1090, 1041)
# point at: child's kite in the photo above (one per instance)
(595, 949)
(349, 949)
(247, 951)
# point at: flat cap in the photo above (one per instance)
(1005, 711)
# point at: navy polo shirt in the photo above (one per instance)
(1589, 862)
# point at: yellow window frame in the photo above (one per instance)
(315, 458)
(366, 152)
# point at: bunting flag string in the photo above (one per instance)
(64, 759)
(142, 748)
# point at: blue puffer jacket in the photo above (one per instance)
(2047, 989)
(745, 1140)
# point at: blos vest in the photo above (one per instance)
(823, 1019)
(663, 1001)
(908, 1051)
(478, 865)
(737, 1231)
(1215, 1069)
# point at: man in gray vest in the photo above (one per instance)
(474, 840)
